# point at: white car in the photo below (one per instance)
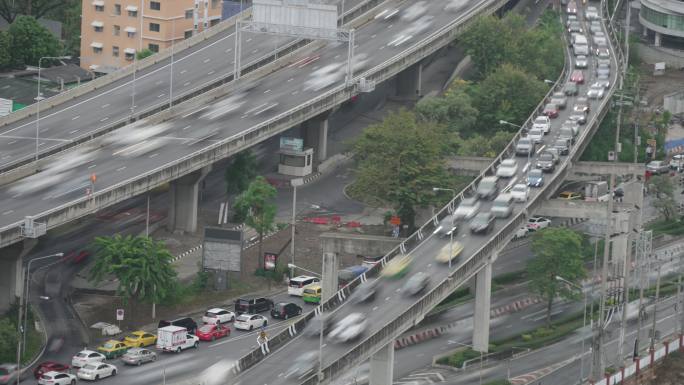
(596, 91)
(86, 357)
(536, 135)
(96, 371)
(349, 328)
(467, 209)
(56, 378)
(581, 62)
(218, 316)
(507, 168)
(250, 321)
(538, 223)
(521, 233)
(520, 192)
(543, 123)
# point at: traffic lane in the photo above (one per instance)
(122, 172)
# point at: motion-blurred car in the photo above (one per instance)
(387, 13)
(49, 366)
(488, 188)
(450, 251)
(455, 5)
(86, 357)
(535, 178)
(502, 207)
(138, 356)
(581, 62)
(96, 371)
(285, 310)
(570, 89)
(467, 209)
(218, 316)
(555, 152)
(508, 168)
(303, 364)
(559, 99)
(140, 339)
(543, 123)
(247, 321)
(538, 223)
(57, 378)
(414, 11)
(482, 223)
(550, 110)
(8, 374)
(348, 329)
(313, 327)
(595, 92)
(520, 192)
(112, 349)
(447, 226)
(417, 283)
(397, 267)
(366, 291)
(210, 332)
(580, 118)
(546, 162)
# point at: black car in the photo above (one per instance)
(253, 305)
(482, 223)
(185, 322)
(285, 310)
(546, 162)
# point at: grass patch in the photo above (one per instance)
(457, 359)
(510, 277)
(666, 227)
(541, 336)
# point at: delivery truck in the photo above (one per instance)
(175, 339)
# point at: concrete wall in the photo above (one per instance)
(468, 165)
(652, 55)
(674, 102)
(359, 244)
(598, 169)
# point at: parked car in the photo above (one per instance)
(595, 92)
(447, 226)
(112, 349)
(417, 283)
(467, 209)
(538, 223)
(488, 188)
(550, 110)
(482, 223)
(185, 322)
(285, 310)
(138, 356)
(559, 99)
(525, 147)
(250, 321)
(677, 162)
(570, 89)
(535, 178)
(570, 195)
(521, 233)
(254, 305)
(546, 162)
(210, 332)
(140, 339)
(520, 192)
(218, 316)
(577, 77)
(296, 285)
(536, 135)
(49, 366)
(507, 168)
(57, 378)
(96, 371)
(86, 356)
(348, 329)
(657, 167)
(581, 62)
(543, 123)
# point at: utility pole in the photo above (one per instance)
(655, 311)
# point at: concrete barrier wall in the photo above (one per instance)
(359, 244)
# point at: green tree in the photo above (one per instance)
(30, 41)
(558, 252)
(478, 145)
(145, 52)
(10, 10)
(662, 187)
(257, 208)
(8, 340)
(486, 41)
(400, 160)
(241, 172)
(141, 265)
(5, 50)
(72, 27)
(454, 109)
(508, 93)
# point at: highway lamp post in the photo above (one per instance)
(451, 232)
(23, 302)
(584, 321)
(135, 57)
(39, 98)
(173, 41)
(655, 310)
(295, 183)
(508, 370)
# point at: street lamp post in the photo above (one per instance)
(451, 232)
(584, 321)
(295, 183)
(23, 300)
(39, 98)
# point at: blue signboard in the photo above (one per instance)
(291, 144)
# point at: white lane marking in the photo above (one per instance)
(256, 50)
(186, 127)
(207, 60)
(153, 155)
(160, 96)
(41, 143)
(158, 82)
(92, 166)
(336, 56)
(248, 40)
(105, 105)
(510, 184)
(541, 149)
(228, 50)
(121, 168)
(104, 119)
(381, 48)
(8, 212)
(186, 84)
(290, 79)
(255, 109)
(373, 36)
(76, 117)
(295, 92)
(194, 112)
(387, 298)
(183, 71)
(374, 308)
(267, 91)
(129, 147)
(390, 26)
(12, 142)
(210, 72)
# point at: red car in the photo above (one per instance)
(49, 366)
(551, 110)
(577, 77)
(210, 332)
(75, 257)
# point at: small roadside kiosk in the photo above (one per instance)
(295, 160)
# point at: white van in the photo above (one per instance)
(296, 286)
(579, 49)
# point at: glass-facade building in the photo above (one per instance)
(664, 17)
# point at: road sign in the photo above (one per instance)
(395, 220)
(119, 314)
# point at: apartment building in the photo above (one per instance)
(112, 31)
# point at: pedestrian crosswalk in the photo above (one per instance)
(423, 377)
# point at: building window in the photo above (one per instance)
(188, 13)
(117, 30)
(153, 47)
(97, 49)
(130, 34)
(99, 28)
(129, 56)
(154, 27)
(115, 51)
(187, 34)
(214, 22)
(132, 13)
(155, 5)
(117, 9)
(99, 8)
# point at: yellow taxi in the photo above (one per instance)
(139, 339)
(112, 349)
(454, 249)
(312, 293)
(397, 267)
(570, 195)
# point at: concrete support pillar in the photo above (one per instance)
(316, 136)
(483, 297)
(644, 32)
(382, 366)
(184, 195)
(409, 82)
(656, 41)
(11, 272)
(329, 276)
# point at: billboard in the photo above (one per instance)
(291, 144)
(270, 261)
(222, 249)
(295, 18)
